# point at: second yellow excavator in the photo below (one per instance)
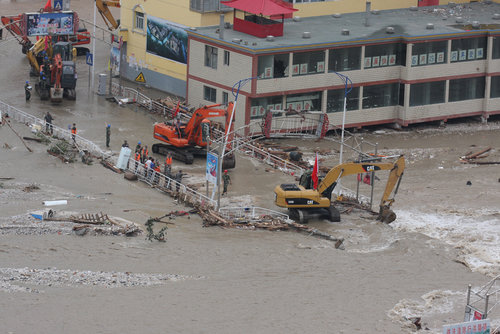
(302, 202)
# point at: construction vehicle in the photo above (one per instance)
(58, 77)
(17, 26)
(103, 8)
(185, 140)
(304, 203)
(37, 53)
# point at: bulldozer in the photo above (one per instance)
(185, 140)
(305, 203)
(58, 77)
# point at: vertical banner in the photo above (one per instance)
(211, 174)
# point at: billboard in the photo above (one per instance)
(114, 61)
(166, 39)
(42, 24)
(472, 327)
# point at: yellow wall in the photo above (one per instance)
(171, 10)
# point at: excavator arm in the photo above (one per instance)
(103, 8)
(192, 128)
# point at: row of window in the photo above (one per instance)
(375, 96)
(348, 59)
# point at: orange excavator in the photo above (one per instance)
(185, 140)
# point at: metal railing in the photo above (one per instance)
(158, 180)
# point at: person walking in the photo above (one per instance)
(168, 164)
(27, 90)
(147, 166)
(138, 147)
(178, 179)
(145, 152)
(108, 134)
(73, 132)
(227, 180)
(48, 123)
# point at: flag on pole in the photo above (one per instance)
(48, 6)
(314, 175)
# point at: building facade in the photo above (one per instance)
(155, 41)
(406, 66)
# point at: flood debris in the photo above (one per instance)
(473, 158)
(213, 218)
(160, 236)
(63, 150)
(17, 134)
(30, 188)
(98, 223)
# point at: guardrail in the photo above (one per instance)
(149, 176)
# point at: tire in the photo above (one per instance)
(302, 217)
(334, 214)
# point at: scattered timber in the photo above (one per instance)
(472, 158)
(212, 218)
(38, 140)
(17, 134)
(6, 178)
(111, 167)
(96, 222)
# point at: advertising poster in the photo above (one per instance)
(211, 174)
(42, 24)
(114, 61)
(166, 39)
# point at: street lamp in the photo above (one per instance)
(236, 92)
(347, 89)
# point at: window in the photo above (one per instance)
(495, 87)
(260, 106)
(226, 57)
(427, 93)
(306, 101)
(402, 95)
(380, 96)
(225, 98)
(205, 6)
(273, 66)
(468, 49)
(385, 55)
(209, 94)
(496, 48)
(308, 63)
(346, 59)
(210, 56)
(335, 100)
(139, 20)
(429, 53)
(466, 89)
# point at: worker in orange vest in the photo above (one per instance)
(157, 174)
(137, 160)
(144, 153)
(168, 165)
(73, 132)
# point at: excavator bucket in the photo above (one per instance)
(56, 94)
(386, 215)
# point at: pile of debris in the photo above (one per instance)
(63, 150)
(213, 218)
(97, 224)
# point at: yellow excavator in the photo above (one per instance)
(103, 7)
(303, 203)
(37, 52)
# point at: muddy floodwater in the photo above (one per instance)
(214, 280)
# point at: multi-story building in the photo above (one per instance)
(155, 41)
(406, 66)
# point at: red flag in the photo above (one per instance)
(314, 175)
(176, 109)
(48, 6)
